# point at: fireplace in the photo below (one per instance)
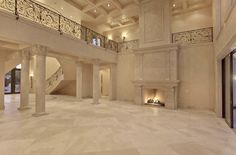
(156, 75)
(154, 97)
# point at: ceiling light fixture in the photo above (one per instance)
(95, 10)
(174, 5)
(108, 4)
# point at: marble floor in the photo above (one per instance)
(111, 128)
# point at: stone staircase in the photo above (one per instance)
(54, 81)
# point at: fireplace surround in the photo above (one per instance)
(156, 68)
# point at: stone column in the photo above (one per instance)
(79, 74)
(112, 89)
(96, 88)
(2, 81)
(40, 80)
(25, 83)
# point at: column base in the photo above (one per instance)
(95, 103)
(24, 108)
(2, 107)
(79, 99)
(39, 114)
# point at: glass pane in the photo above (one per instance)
(7, 88)
(228, 100)
(17, 81)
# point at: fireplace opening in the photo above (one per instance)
(154, 97)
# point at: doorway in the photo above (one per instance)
(229, 89)
(12, 81)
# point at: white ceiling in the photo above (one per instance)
(110, 13)
(113, 14)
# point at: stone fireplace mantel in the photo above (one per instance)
(156, 84)
(156, 68)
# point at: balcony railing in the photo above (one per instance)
(194, 36)
(37, 13)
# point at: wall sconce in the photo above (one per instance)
(31, 80)
(124, 39)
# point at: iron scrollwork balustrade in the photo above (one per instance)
(194, 36)
(44, 16)
(112, 45)
(70, 27)
(8, 5)
(95, 38)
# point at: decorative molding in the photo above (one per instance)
(133, 44)
(194, 36)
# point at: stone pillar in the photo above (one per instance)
(138, 95)
(25, 82)
(96, 88)
(112, 89)
(79, 75)
(40, 80)
(2, 81)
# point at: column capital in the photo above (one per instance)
(96, 62)
(78, 62)
(39, 50)
(25, 53)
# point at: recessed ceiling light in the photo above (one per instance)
(95, 10)
(108, 4)
(174, 5)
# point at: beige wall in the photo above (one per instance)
(105, 81)
(52, 65)
(183, 22)
(125, 77)
(87, 80)
(193, 20)
(130, 32)
(196, 74)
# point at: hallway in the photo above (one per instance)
(116, 128)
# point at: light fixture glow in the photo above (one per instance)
(95, 10)
(174, 5)
(108, 4)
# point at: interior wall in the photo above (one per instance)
(193, 20)
(125, 77)
(130, 32)
(87, 81)
(52, 65)
(105, 81)
(196, 74)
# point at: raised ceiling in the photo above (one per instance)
(114, 14)
(111, 13)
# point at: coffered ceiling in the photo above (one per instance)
(111, 13)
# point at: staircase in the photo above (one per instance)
(54, 81)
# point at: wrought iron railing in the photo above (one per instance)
(37, 13)
(194, 36)
(54, 80)
(124, 46)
